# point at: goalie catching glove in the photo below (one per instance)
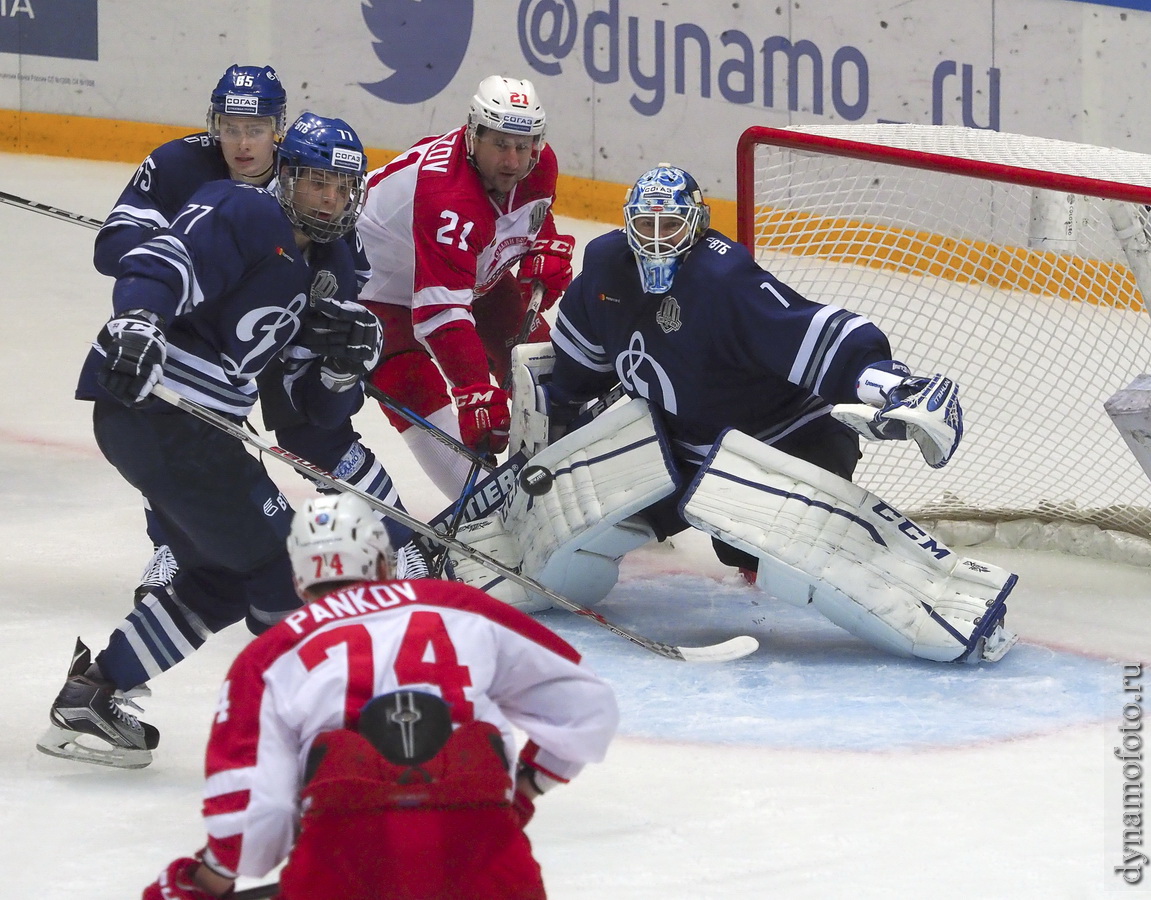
(134, 352)
(925, 410)
(348, 338)
(484, 417)
(550, 263)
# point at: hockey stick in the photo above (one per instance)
(439, 434)
(722, 652)
(534, 304)
(420, 422)
(44, 209)
(260, 892)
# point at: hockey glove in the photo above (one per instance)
(484, 416)
(134, 352)
(925, 410)
(177, 883)
(550, 263)
(347, 335)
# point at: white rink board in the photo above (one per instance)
(627, 83)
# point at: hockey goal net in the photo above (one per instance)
(1013, 264)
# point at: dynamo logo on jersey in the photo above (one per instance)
(422, 42)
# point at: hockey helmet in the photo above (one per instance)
(508, 105)
(315, 144)
(337, 538)
(248, 91)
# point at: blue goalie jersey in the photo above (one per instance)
(231, 286)
(729, 346)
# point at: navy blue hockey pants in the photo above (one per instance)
(227, 523)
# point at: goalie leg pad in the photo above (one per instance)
(566, 514)
(869, 569)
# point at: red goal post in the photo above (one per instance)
(1018, 266)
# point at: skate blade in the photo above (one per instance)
(998, 643)
(73, 745)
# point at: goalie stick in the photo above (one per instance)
(733, 648)
(52, 211)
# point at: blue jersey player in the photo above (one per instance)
(763, 395)
(685, 318)
(245, 120)
(241, 277)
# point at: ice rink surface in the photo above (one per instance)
(816, 768)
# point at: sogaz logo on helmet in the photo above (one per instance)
(342, 158)
(241, 105)
(420, 42)
(518, 123)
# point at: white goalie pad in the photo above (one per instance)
(529, 411)
(825, 541)
(567, 523)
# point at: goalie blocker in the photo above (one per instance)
(825, 541)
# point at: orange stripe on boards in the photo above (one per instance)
(1040, 272)
(115, 140)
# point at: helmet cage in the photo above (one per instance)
(248, 91)
(317, 148)
(669, 201)
(337, 538)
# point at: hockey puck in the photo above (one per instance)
(536, 480)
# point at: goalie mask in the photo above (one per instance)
(510, 106)
(337, 538)
(322, 172)
(248, 91)
(664, 216)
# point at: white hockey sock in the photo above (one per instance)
(447, 468)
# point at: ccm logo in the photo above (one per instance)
(909, 528)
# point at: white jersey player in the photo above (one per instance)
(444, 225)
(362, 636)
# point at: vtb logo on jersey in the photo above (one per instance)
(668, 317)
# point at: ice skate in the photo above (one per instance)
(88, 723)
(161, 569)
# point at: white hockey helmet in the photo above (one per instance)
(337, 538)
(509, 105)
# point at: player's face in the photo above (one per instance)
(248, 144)
(321, 193)
(660, 235)
(502, 159)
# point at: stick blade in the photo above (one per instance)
(735, 648)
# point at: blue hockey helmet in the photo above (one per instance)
(321, 160)
(248, 91)
(663, 218)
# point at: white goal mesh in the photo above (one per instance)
(1012, 264)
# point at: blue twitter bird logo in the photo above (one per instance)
(422, 41)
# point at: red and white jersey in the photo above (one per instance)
(436, 239)
(315, 670)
